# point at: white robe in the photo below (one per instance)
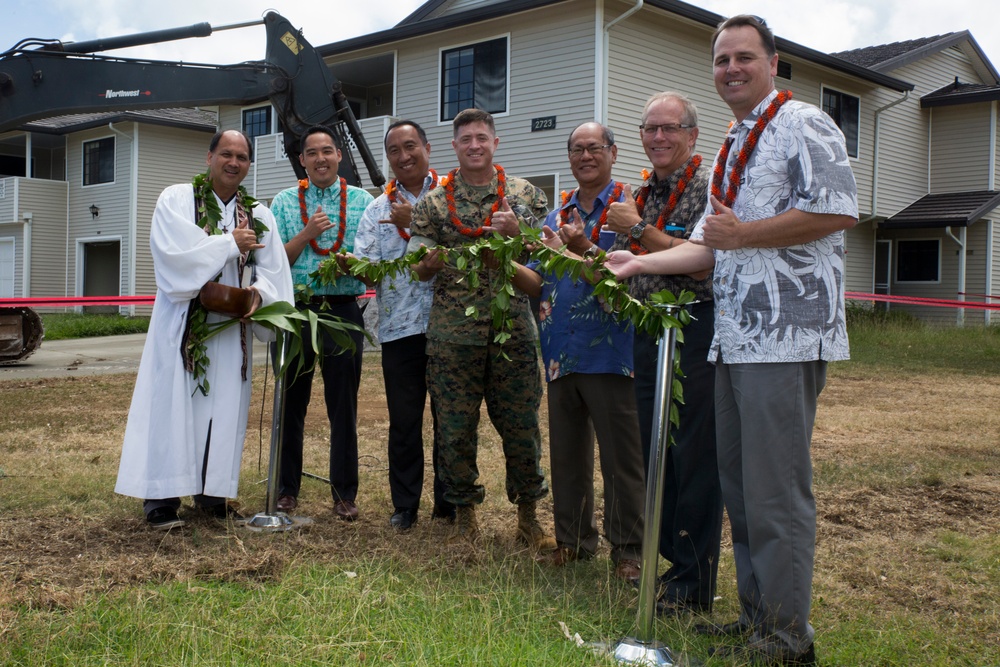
(168, 423)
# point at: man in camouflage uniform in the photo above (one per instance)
(465, 365)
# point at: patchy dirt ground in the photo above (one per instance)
(903, 495)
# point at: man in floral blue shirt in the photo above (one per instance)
(588, 364)
(319, 219)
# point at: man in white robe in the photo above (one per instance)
(179, 441)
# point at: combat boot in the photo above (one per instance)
(529, 531)
(466, 528)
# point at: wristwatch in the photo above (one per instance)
(637, 229)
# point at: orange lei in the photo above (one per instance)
(390, 192)
(675, 196)
(303, 186)
(449, 195)
(595, 234)
(736, 175)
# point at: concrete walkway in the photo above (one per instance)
(89, 356)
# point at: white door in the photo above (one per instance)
(6, 268)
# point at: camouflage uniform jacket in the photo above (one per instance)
(687, 213)
(448, 320)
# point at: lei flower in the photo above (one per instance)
(449, 195)
(736, 175)
(193, 348)
(392, 188)
(209, 213)
(303, 186)
(675, 196)
(595, 234)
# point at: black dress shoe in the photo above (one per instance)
(164, 518)
(766, 653)
(667, 607)
(444, 511)
(223, 511)
(403, 518)
(734, 629)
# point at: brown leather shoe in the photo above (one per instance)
(287, 503)
(627, 569)
(345, 510)
(557, 557)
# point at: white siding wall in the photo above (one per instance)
(552, 73)
(947, 288)
(7, 185)
(906, 129)
(960, 146)
(46, 200)
(113, 199)
(166, 156)
(859, 275)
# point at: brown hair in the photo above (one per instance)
(755, 22)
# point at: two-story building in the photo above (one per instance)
(920, 119)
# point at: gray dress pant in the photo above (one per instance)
(765, 415)
(581, 404)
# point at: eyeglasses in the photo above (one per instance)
(596, 150)
(669, 128)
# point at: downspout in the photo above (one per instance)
(878, 126)
(26, 251)
(133, 208)
(960, 315)
(989, 223)
(600, 86)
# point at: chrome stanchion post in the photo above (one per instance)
(270, 519)
(643, 649)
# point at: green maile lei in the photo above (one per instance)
(663, 310)
(281, 317)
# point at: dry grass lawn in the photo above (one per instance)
(907, 482)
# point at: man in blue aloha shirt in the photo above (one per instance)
(588, 365)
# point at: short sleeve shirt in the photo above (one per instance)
(285, 207)
(404, 304)
(785, 304)
(579, 333)
(686, 214)
(449, 322)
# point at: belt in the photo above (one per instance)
(332, 299)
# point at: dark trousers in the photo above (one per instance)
(341, 378)
(691, 523)
(581, 405)
(200, 500)
(404, 369)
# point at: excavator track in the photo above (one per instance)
(21, 333)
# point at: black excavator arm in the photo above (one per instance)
(58, 78)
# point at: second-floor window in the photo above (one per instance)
(99, 161)
(474, 75)
(845, 111)
(257, 122)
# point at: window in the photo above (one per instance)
(99, 161)
(256, 122)
(918, 261)
(845, 111)
(474, 76)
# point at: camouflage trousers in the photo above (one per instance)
(459, 377)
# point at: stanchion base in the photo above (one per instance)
(275, 523)
(635, 652)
